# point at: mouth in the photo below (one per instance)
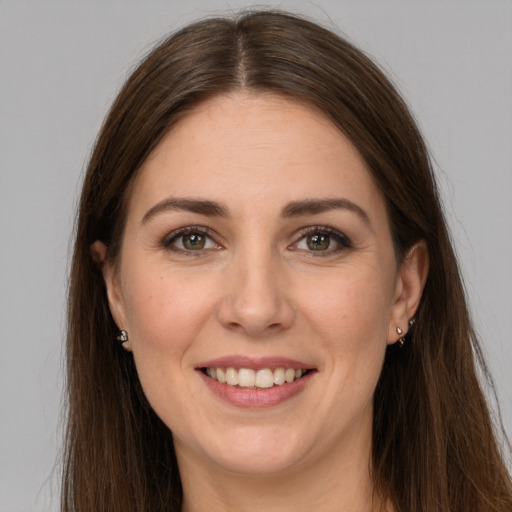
(256, 382)
(249, 378)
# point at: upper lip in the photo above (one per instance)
(255, 363)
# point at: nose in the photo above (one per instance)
(255, 299)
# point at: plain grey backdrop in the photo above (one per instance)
(61, 65)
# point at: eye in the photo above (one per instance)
(318, 242)
(322, 239)
(190, 239)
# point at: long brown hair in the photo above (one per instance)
(434, 447)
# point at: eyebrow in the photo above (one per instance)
(313, 206)
(203, 207)
(293, 209)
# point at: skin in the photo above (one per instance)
(258, 289)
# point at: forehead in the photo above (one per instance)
(254, 149)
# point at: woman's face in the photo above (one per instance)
(257, 247)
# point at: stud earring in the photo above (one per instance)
(401, 341)
(122, 337)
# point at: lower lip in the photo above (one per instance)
(256, 398)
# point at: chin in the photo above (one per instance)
(260, 464)
(257, 452)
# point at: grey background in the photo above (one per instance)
(61, 65)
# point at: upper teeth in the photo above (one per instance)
(248, 378)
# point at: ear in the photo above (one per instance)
(112, 284)
(409, 289)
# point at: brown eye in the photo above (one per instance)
(194, 241)
(190, 239)
(323, 241)
(318, 242)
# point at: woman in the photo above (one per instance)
(261, 233)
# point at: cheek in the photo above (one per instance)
(352, 310)
(164, 312)
(165, 315)
(351, 320)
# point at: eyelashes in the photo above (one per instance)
(316, 241)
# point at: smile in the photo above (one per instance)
(263, 378)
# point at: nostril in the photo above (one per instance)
(255, 313)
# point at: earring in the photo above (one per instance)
(401, 341)
(412, 321)
(122, 337)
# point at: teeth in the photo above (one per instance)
(264, 378)
(249, 378)
(221, 376)
(289, 375)
(232, 376)
(279, 377)
(246, 378)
